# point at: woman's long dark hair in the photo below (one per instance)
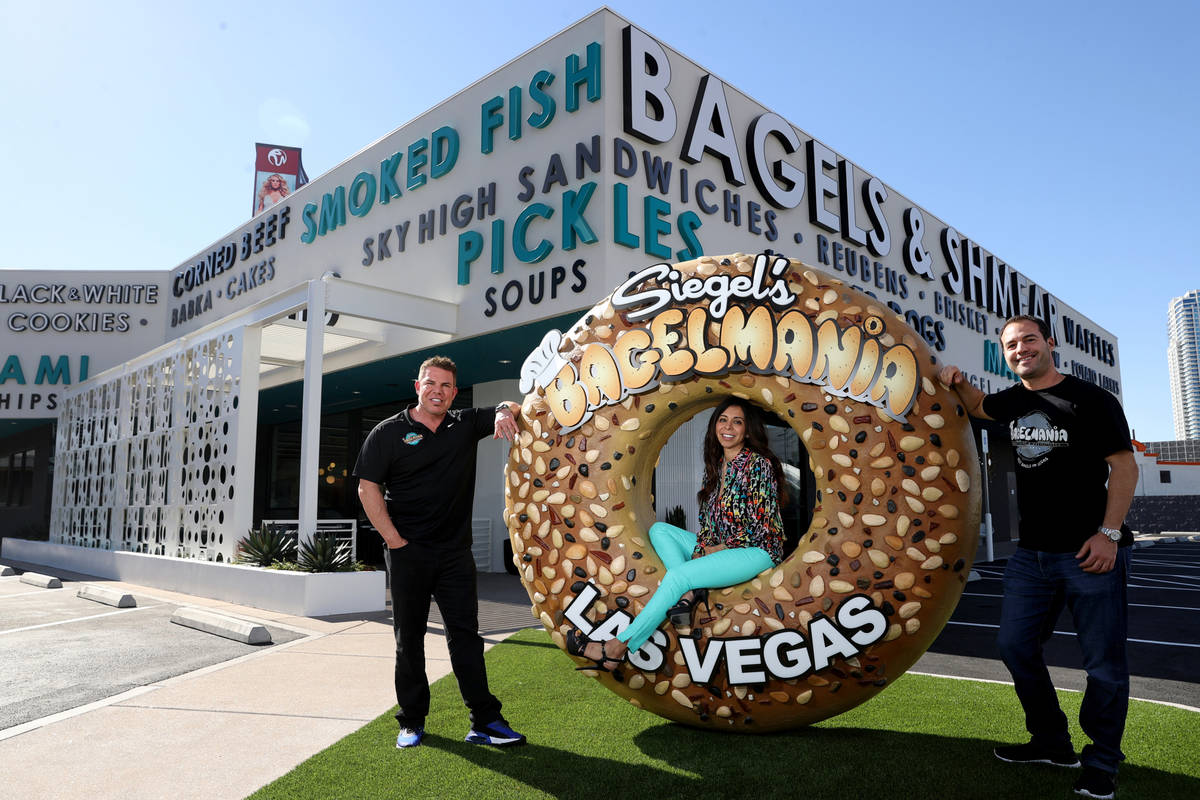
(756, 441)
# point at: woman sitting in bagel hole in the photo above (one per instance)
(741, 533)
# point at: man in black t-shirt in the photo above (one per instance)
(416, 474)
(1070, 439)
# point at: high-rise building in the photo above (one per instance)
(1183, 359)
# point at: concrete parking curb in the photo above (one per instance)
(7, 571)
(110, 597)
(230, 627)
(44, 581)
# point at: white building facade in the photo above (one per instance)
(506, 210)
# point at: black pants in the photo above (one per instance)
(419, 572)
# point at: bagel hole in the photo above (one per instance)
(800, 485)
(681, 467)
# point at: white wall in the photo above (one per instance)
(489, 475)
(1185, 478)
(61, 326)
(307, 594)
(680, 469)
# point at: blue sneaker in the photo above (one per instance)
(497, 734)
(410, 737)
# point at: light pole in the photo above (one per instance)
(988, 532)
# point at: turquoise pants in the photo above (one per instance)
(684, 573)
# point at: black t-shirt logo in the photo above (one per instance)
(1034, 435)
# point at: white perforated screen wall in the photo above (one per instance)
(159, 458)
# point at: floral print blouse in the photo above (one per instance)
(745, 511)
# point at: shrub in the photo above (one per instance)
(677, 517)
(265, 545)
(323, 553)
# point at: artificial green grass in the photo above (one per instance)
(921, 737)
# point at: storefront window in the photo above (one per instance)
(333, 470)
(284, 480)
(341, 436)
(16, 478)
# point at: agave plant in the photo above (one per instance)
(677, 517)
(265, 545)
(323, 553)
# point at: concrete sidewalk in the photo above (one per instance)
(226, 730)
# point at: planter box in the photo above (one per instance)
(306, 594)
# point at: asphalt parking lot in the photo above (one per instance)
(59, 651)
(1164, 626)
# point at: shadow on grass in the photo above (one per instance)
(923, 737)
(859, 762)
(558, 772)
(548, 645)
(816, 763)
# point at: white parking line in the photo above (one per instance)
(75, 619)
(1191, 559)
(1165, 588)
(1185, 580)
(1152, 582)
(1073, 691)
(1131, 605)
(1156, 569)
(1174, 586)
(1072, 633)
(1170, 582)
(1164, 576)
(1179, 608)
(35, 591)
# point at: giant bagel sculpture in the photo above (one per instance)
(889, 547)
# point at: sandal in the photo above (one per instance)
(680, 614)
(577, 646)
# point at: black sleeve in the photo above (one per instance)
(375, 456)
(1000, 405)
(1112, 429)
(484, 423)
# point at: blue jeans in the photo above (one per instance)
(684, 573)
(1036, 585)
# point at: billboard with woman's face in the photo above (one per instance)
(277, 173)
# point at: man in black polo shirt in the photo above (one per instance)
(416, 474)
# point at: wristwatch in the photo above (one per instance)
(1113, 534)
(503, 407)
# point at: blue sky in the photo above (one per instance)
(1062, 136)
